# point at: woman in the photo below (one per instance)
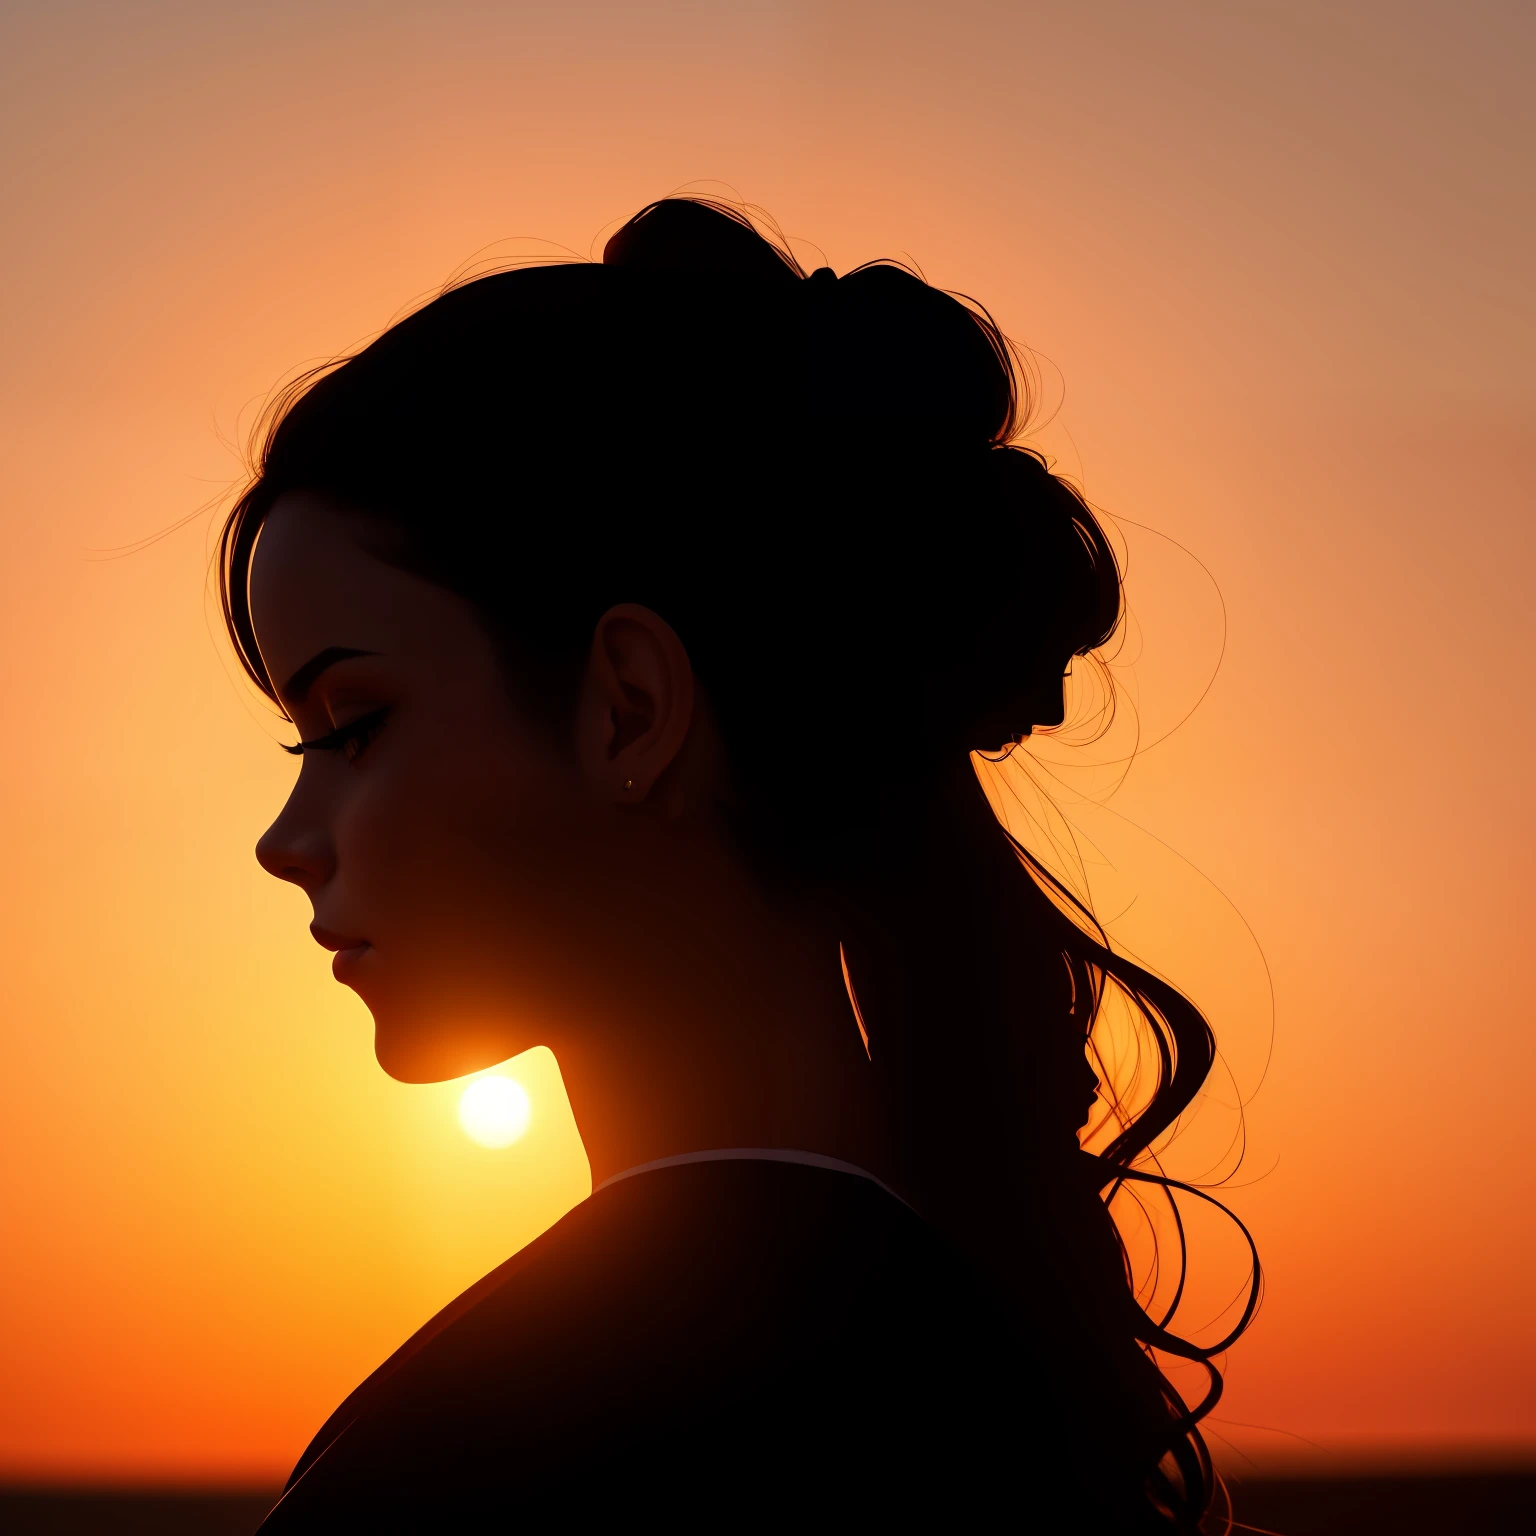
(639, 620)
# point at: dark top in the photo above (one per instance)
(724, 1344)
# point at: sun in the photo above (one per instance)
(494, 1111)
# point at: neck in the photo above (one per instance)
(743, 1036)
(731, 1026)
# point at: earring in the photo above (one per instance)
(629, 784)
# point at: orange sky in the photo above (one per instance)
(1280, 256)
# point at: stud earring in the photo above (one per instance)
(629, 784)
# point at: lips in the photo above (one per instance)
(348, 951)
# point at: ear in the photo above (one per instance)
(636, 703)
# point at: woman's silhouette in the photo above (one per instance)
(639, 620)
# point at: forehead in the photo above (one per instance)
(314, 584)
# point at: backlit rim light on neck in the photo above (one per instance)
(494, 1110)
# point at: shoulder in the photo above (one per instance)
(730, 1315)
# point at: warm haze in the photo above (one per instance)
(1280, 258)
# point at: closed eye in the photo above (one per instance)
(351, 738)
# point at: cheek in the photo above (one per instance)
(467, 864)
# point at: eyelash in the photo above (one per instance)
(352, 738)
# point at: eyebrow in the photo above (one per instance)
(296, 689)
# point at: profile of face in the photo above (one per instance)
(490, 880)
(466, 861)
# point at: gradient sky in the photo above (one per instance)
(1277, 260)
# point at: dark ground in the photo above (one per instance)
(1490, 1504)
(1440, 1505)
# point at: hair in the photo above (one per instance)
(698, 424)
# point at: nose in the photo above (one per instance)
(297, 848)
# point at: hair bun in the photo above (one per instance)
(679, 234)
(878, 345)
(886, 345)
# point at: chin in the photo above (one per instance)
(408, 1063)
(417, 1052)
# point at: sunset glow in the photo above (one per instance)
(1276, 270)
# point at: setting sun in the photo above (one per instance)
(494, 1111)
